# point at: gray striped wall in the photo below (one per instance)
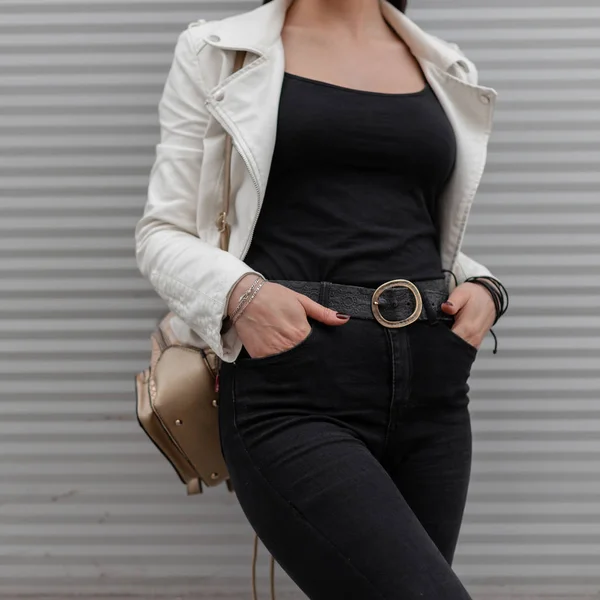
(87, 506)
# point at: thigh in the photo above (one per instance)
(430, 452)
(320, 501)
(431, 466)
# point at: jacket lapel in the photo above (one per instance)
(250, 99)
(469, 110)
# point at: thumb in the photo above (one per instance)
(322, 313)
(457, 299)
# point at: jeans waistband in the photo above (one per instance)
(395, 304)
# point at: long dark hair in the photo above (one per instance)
(400, 4)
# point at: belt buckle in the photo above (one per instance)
(392, 284)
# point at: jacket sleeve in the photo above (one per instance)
(467, 267)
(194, 278)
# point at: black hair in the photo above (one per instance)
(400, 4)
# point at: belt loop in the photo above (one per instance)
(430, 311)
(324, 289)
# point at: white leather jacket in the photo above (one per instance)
(177, 238)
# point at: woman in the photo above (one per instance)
(344, 419)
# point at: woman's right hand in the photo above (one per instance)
(276, 319)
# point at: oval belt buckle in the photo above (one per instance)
(392, 284)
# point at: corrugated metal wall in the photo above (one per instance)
(86, 503)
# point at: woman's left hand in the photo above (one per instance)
(474, 312)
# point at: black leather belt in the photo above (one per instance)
(394, 304)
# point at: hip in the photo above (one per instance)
(368, 361)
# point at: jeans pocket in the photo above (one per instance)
(246, 359)
(459, 341)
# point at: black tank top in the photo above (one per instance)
(353, 190)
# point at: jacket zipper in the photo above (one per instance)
(252, 228)
(259, 203)
(250, 170)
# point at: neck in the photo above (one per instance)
(362, 19)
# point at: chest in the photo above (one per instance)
(406, 139)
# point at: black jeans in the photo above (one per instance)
(351, 454)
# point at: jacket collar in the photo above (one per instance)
(259, 29)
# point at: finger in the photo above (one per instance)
(457, 299)
(322, 313)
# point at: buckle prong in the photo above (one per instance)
(393, 284)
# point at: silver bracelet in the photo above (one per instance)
(243, 308)
(245, 296)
